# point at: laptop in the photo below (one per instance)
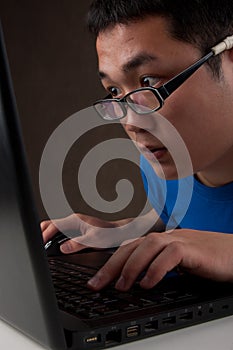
(46, 297)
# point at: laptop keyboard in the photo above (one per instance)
(74, 297)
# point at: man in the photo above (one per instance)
(145, 43)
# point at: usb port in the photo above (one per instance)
(132, 331)
(151, 326)
(186, 316)
(169, 320)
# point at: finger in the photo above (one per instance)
(140, 258)
(49, 232)
(170, 257)
(111, 270)
(44, 224)
(71, 246)
(69, 225)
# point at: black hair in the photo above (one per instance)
(202, 23)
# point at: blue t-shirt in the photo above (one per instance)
(189, 204)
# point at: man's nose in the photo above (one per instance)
(132, 128)
(133, 122)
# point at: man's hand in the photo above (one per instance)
(97, 233)
(51, 227)
(207, 254)
(90, 232)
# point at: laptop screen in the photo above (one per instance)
(26, 288)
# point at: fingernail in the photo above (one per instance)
(121, 283)
(94, 281)
(66, 247)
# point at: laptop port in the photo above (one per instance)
(132, 331)
(94, 339)
(113, 337)
(167, 321)
(225, 306)
(151, 326)
(186, 316)
(211, 310)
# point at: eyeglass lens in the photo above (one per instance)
(142, 102)
(110, 110)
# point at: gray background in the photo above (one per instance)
(54, 69)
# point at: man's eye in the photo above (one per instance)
(149, 81)
(114, 91)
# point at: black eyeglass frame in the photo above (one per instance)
(161, 93)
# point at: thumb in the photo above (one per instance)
(71, 246)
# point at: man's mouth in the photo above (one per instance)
(159, 153)
(154, 152)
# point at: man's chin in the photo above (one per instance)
(165, 171)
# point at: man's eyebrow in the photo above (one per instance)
(138, 61)
(102, 75)
(133, 63)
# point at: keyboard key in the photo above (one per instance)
(74, 296)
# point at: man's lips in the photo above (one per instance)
(159, 152)
(151, 152)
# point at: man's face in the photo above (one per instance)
(143, 53)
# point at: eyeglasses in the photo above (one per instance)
(147, 100)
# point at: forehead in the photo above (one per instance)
(137, 43)
(149, 25)
(122, 41)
